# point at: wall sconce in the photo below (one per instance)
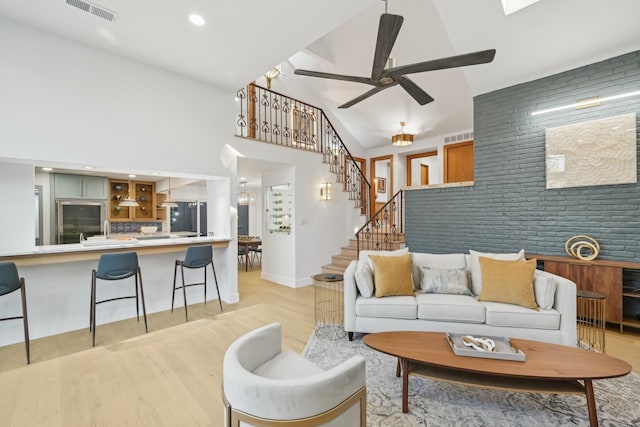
(325, 191)
(586, 103)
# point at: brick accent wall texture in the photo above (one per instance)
(509, 208)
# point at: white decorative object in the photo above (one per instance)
(575, 246)
(595, 152)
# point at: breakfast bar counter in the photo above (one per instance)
(58, 283)
(92, 249)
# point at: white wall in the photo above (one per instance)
(17, 217)
(327, 224)
(63, 102)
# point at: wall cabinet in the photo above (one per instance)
(68, 186)
(143, 192)
(602, 276)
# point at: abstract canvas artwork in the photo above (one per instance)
(595, 152)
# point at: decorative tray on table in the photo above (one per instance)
(485, 347)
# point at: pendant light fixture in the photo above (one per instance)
(402, 139)
(168, 202)
(129, 201)
(243, 196)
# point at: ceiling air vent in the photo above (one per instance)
(460, 137)
(93, 9)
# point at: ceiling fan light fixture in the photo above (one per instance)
(402, 139)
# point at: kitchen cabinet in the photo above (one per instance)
(143, 192)
(67, 186)
(601, 276)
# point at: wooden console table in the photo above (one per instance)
(601, 276)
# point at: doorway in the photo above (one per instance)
(381, 172)
(422, 168)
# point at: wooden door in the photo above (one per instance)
(458, 162)
(607, 281)
(424, 175)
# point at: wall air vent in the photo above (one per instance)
(93, 9)
(461, 137)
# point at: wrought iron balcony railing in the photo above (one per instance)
(272, 117)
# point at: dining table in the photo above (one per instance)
(247, 243)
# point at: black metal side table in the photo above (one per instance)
(329, 306)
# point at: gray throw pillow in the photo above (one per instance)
(445, 281)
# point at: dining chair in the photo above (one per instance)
(112, 267)
(196, 257)
(10, 281)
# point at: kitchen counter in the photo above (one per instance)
(58, 283)
(93, 248)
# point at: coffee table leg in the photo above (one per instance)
(398, 368)
(405, 385)
(591, 403)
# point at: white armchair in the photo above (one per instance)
(265, 386)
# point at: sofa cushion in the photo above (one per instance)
(364, 280)
(445, 261)
(510, 282)
(450, 308)
(398, 307)
(444, 281)
(476, 274)
(392, 275)
(545, 290)
(515, 316)
(363, 256)
(287, 364)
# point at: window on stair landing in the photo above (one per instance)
(304, 128)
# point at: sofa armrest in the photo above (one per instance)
(565, 303)
(350, 295)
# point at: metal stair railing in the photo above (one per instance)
(385, 228)
(272, 117)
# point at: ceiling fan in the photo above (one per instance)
(383, 77)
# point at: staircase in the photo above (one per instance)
(268, 116)
(339, 263)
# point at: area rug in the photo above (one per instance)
(438, 403)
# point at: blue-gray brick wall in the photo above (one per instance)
(509, 207)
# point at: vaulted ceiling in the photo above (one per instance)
(244, 38)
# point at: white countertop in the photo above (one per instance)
(113, 244)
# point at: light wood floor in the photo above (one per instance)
(169, 377)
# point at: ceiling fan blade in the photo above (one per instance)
(414, 90)
(364, 96)
(333, 76)
(481, 57)
(387, 33)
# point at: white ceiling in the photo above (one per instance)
(243, 38)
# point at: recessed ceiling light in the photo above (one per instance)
(47, 169)
(196, 20)
(88, 167)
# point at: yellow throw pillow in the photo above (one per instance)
(510, 282)
(392, 275)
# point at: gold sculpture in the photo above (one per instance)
(576, 244)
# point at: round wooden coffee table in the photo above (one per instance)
(549, 368)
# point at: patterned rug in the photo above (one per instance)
(438, 403)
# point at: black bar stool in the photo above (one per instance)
(9, 282)
(196, 257)
(116, 267)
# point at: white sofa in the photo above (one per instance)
(462, 313)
